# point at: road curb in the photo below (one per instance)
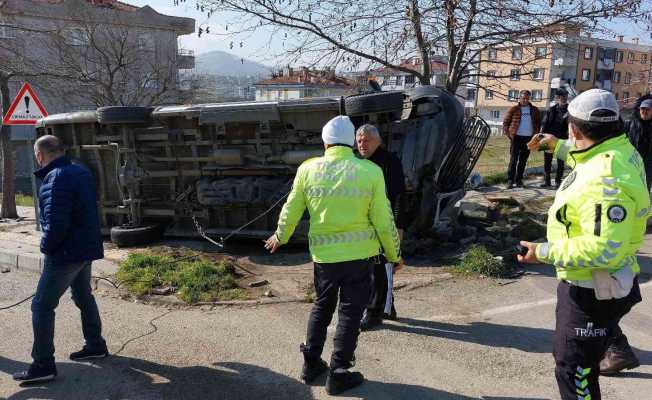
(21, 262)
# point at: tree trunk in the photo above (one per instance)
(6, 152)
(421, 44)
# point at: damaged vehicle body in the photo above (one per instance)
(214, 169)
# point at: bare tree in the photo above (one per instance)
(109, 63)
(355, 34)
(87, 59)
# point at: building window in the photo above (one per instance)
(625, 97)
(588, 53)
(541, 52)
(537, 95)
(586, 74)
(491, 74)
(515, 75)
(643, 58)
(151, 83)
(538, 74)
(617, 76)
(517, 53)
(78, 37)
(145, 42)
(488, 94)
(492, 54)
(616, 95)
(631, 56)
(628, 78)
(470, 95)
(512, 95)
(495, 114)
(6, 31)
(409, 79)
(619, 56)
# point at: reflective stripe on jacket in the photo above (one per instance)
(598, 218)
(350, 216)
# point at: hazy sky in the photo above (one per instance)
(256, 47)
(253, 47)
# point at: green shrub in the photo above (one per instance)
(494, 179)
(195, 281)
(479, 261)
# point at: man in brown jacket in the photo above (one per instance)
(520, 123)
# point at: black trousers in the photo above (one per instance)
(518, 158)
(582, 332)
(378, 297)
(349, 281)
(547, 167)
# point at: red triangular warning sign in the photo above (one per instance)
(26, 108)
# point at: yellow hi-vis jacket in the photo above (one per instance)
(598, 218)
(350, 216)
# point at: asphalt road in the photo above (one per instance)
(458, 339)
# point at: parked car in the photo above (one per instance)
(213, 168)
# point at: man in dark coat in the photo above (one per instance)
(619, 355)
(556, 123)
(71, 240)
(381, 302)
(639, 131)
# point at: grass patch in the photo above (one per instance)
(198, 280)
(495, 157)
(479, 261)
(24, 200)
(494, 178)
(310, 295)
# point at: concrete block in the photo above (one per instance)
(9, 259)
(30, 262)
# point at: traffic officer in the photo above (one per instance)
(350, 223)
(595, 227)
(381, 301)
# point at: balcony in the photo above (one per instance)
(185, 59)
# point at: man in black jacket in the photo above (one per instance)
(381, 302)
(619, 355)
(556, 123)
(639, 131)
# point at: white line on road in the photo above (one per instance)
(504, 309)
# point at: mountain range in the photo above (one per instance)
(222, 63)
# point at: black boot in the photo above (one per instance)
(36, 373)
(619, 356)
(313, 369)
(338, 382)
(546, 182)
(370, 320)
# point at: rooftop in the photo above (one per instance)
(414, 64)
(307, 77)
(114, 4)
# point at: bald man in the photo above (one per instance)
(71, 240)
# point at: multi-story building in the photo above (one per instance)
(393, 79)
(291, 84)
(60, 33)
(572, 61)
